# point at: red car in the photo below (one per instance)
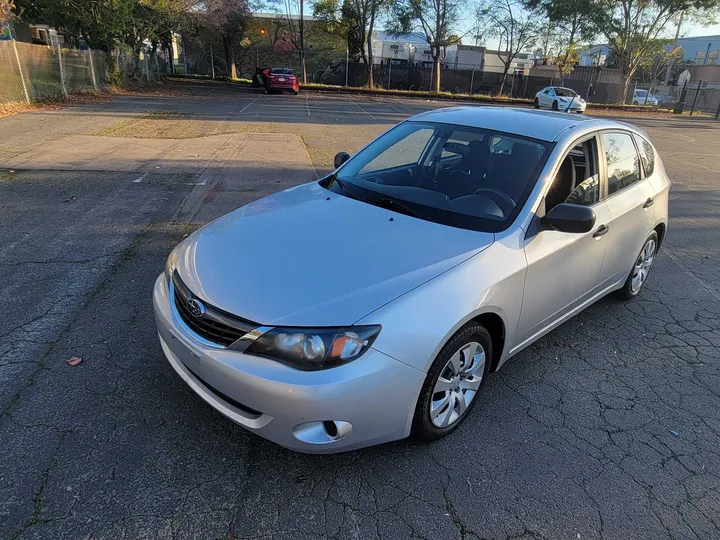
(280, 79)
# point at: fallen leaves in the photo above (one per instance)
(75, 361)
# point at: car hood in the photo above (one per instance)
(307, 256)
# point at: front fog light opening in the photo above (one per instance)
(322, 432)
(331, 429)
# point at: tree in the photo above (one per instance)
(514, 27)
(653, 67)
(338, 17)
(101, 23)
(358, 17)
(227, 19)
(155, 21)
(6, 14)
(632, 28)
(435, 19)
(572, 21)
(104, 24)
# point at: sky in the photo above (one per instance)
(689, 29)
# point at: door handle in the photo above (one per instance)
(602, 230)
(649, 202)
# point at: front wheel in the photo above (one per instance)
(635, 103)
(536, 103)
(641, 269)
(453, 383)
(555, 106)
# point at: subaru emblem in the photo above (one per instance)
(196, 308)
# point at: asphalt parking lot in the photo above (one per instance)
(609, 427)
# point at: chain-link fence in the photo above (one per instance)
(146, 67)
(333, 67)
(696, 96)
(35, 72)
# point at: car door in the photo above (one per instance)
(563, 268)
(542, 96)
(630, 200)
(549, 97)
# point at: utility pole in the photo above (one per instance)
(677, 35)
(302, 42)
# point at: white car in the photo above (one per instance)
(558, 98)
(641, 97)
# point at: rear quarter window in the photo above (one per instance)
(647, 155)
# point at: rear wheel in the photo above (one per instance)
(555, 106)
(536, 103)
(635, 103)
(295, 92)
(641, 269)
(453, 383)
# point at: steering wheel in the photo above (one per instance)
(500, 198)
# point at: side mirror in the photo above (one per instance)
(340, 158)
(570, 218)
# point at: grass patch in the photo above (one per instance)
(164, 125)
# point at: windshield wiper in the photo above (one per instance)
(342, 186)
(383, 202)
(392, 204)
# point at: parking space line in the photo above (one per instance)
(248, 105)
(712, 291)
(394, 108)
(363, 110)
(307, 104)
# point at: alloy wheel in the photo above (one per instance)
(642, 266)
(457, 385)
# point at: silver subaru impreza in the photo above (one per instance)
(373, 304)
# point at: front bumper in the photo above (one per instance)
(375, 394)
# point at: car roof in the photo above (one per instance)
(543, 125)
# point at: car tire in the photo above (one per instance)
(536, 103)
(470, 349)
(555, 106)
(635, 103)
(296, 93)
(641, 267)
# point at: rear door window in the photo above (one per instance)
(457, 144)
(621, 160)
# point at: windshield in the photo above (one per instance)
(565, 92)
(281, 71)
(641, 93)
(455, 175)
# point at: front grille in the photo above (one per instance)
(214, 325)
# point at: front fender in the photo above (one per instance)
(418, 324)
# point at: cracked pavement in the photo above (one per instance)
(609, 427)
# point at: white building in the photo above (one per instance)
(465, 57)
(411, 47)
(520, 64)
(595, 55)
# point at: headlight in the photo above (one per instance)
(170, 265)
(311, 349)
